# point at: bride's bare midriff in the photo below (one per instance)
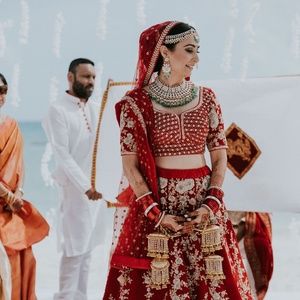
(181, 162)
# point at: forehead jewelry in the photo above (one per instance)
(176, 38)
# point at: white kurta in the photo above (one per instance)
(80, 219)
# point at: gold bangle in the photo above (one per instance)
(3, 191)
(3, 194)
(10, 199)
(21, 191)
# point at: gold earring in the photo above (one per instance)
(166, 68)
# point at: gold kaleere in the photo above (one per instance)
(158, 245)
(159, 273)
(211, 242)
(211, 239)
(214, 269)
(158, 249)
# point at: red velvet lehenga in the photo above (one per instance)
(177, 192)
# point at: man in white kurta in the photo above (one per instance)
(70, 126)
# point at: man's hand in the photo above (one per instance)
(92, 194)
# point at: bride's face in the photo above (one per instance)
(3, 92)
(184, 57)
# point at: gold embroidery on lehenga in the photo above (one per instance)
(124, 279)
(147, 282)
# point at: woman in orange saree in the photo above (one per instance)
(21, 225)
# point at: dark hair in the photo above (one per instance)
(176, 29)
(3, 79)
(74, 64)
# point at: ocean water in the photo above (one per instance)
(38, 190)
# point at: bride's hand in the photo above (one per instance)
(200, 216)
(172, 222)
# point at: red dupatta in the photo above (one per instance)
(141, 109)
(258, 247)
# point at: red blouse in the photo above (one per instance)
(181, 134)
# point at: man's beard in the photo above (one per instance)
(81, 91)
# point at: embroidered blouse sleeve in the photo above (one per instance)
(127, 131)
(216, 138)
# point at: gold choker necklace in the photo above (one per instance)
(176, 96)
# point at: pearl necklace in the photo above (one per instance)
(175, 96)
(81, 107)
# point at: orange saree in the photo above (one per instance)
(18, 231)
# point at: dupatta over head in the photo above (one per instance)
(150, 42)
(138, 107)
(139, 104)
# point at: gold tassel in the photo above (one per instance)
(211, 242)
(211, 239)
(159, 251)
(159, 273)
(214, 269)
(158, 245)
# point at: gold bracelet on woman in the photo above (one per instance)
(3, 191)
(7, 195)
(10, 198)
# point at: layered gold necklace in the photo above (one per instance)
(172, 96)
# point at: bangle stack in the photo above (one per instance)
(162, 214)
(151, 210)
(7, 195)
(21, 191)
(10, 198)
(214, 198)
(144, 195)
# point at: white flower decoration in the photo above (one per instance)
(213, 119)
(192, 201)
(163, 182)
(184, 186)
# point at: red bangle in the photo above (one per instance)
(214, 198)
(154, 212)
(216, 192)
(212, 204)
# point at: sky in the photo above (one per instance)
(39, 38)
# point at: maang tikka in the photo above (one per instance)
(166, 68)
